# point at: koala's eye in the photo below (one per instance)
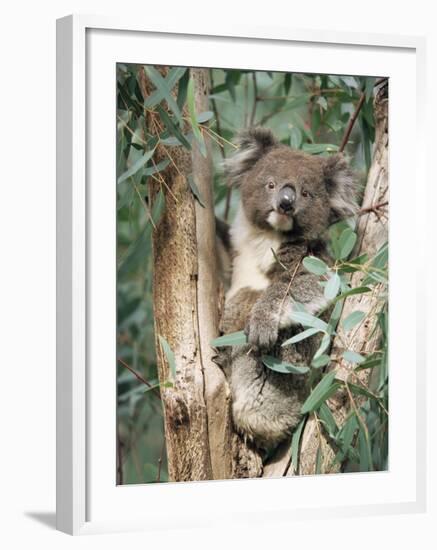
(271, 184)
(305, 193)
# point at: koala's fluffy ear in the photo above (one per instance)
(341, 186)
(252, 144)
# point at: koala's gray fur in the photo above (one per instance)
(264, 288)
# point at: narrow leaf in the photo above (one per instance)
(320, 393)
(324, 345)
(357, 290)
(136, 166)
(301, 336)
(163, 86)
(353, 319)
(295, 442)
(169, 355)
(193, 118)
(195, 190)
(277, 365)
(231, 339)
(308, 320)
(332, 287)
(320, 361)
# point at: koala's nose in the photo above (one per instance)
(286, 198)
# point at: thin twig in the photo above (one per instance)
(139, 377)
(373, 208)
(255, 99)
(354, 117)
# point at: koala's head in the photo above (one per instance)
(287, 190)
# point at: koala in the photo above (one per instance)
(288, 199)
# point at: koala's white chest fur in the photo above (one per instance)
(253, 254)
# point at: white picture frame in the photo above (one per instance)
(87, 501)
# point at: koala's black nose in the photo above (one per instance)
(286, 199)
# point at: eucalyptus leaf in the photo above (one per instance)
(301, 336)
(136, 166)
(353, 356)
(324, 389)
(275, 364)
(315, 265)
(295, 442)
(352, 320)
(320, 361)
(308, 320)
(169, 355)
(332, 287)
(347, 242)
(232, 339)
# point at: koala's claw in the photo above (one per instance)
(262, 332)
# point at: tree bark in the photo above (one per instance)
(199, 436)
(372, 233)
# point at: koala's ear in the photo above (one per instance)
(341, 186)
(252, 144)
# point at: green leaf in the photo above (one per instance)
(353, 356)
(359, 390)
(332, 287)
(193, 118)
(301, 336)
(320, 361)
(204, 117)
(315, 265)
(369, 363)
(352, 291)
(182, 89)
(370, 83)
(231, 339)
(157, 168)
(295, 442)
(347, 242)
(157, 96)
(294, 103)
(324, 389)
(324, 345)
(295, 138)
(277, 365)
(169, 355)
(317, 148)
(353, 319)
(195, 190)
(354, 265)
(319, 459)
(308, 320)
(136, 166)
(287, 82)
(162, 85)
(173, 128)
(325, 415)
(365, 452)
(345, 437)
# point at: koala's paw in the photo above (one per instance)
(262, 330)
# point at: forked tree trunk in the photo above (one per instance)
(198, 428)
(372, 234)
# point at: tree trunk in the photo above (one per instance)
(372, 234)
(197, 415)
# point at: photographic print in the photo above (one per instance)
(252, 274)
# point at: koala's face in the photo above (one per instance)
(290, 191)
(286, 191)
